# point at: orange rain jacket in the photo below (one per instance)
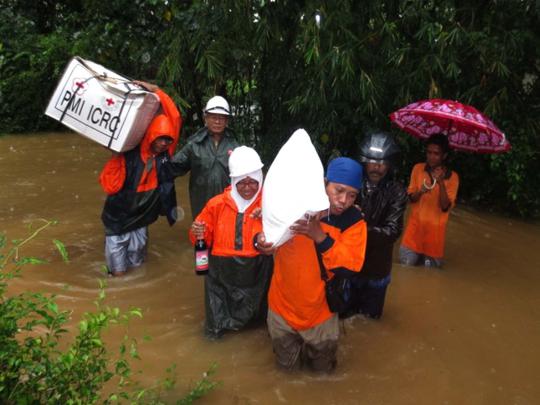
(138, 184)
(426, 227)
(297, 291)
(236, 285)
(219, 215)
(168, 123)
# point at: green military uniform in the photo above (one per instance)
(209, 166)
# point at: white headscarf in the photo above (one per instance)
(241, 203)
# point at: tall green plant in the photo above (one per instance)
(339, 68)
(37, 366)
(336, 68)
(37, 39)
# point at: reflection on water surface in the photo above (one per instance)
(468, 334)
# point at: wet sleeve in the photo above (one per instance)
(113, 175)
(209, 216)
(170, 110)
(452, 186)
(181, 160)
(348, 250)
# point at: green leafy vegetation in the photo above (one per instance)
(335, 68)
(43, 361)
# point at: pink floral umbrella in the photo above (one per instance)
(466, 127)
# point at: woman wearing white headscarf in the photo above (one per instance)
(238, 276)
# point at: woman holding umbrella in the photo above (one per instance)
(432, 192)
(433, 186)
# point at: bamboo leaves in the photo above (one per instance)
(62, 249)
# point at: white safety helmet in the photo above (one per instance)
(244, 160)
(217, 105)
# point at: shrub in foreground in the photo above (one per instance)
(36, 366)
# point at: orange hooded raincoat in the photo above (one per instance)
(238, 277)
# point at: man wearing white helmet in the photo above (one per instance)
(238, 276)
(206, 155)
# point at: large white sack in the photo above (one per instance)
(293, 187)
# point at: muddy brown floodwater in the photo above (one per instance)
(468, 334)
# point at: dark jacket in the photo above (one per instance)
(209, 166)
(130, 209)
(383, 207)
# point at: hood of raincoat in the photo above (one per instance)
(241, 203)
(160, 126)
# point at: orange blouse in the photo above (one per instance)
(297, 291)
(426, 227)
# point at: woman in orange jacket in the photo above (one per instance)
(238, 276)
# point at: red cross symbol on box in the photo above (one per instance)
(109, 101)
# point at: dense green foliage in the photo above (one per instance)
(337, 68)
(38, 365)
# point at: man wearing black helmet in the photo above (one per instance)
(383, 201)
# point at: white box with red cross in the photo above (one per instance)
(102, 105)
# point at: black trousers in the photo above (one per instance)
(367, 297)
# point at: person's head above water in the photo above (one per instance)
(216, 115)
(245, 169)
(437, 149)
(379, 152)
(344, 178)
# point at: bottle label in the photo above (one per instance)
(201, 260)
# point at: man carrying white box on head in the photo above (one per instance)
(140, 188)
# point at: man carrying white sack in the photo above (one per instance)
(303, 329)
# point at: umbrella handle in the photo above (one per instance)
(430, 187)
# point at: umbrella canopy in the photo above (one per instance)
(466, 127)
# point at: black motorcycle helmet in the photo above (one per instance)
(379, 147)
